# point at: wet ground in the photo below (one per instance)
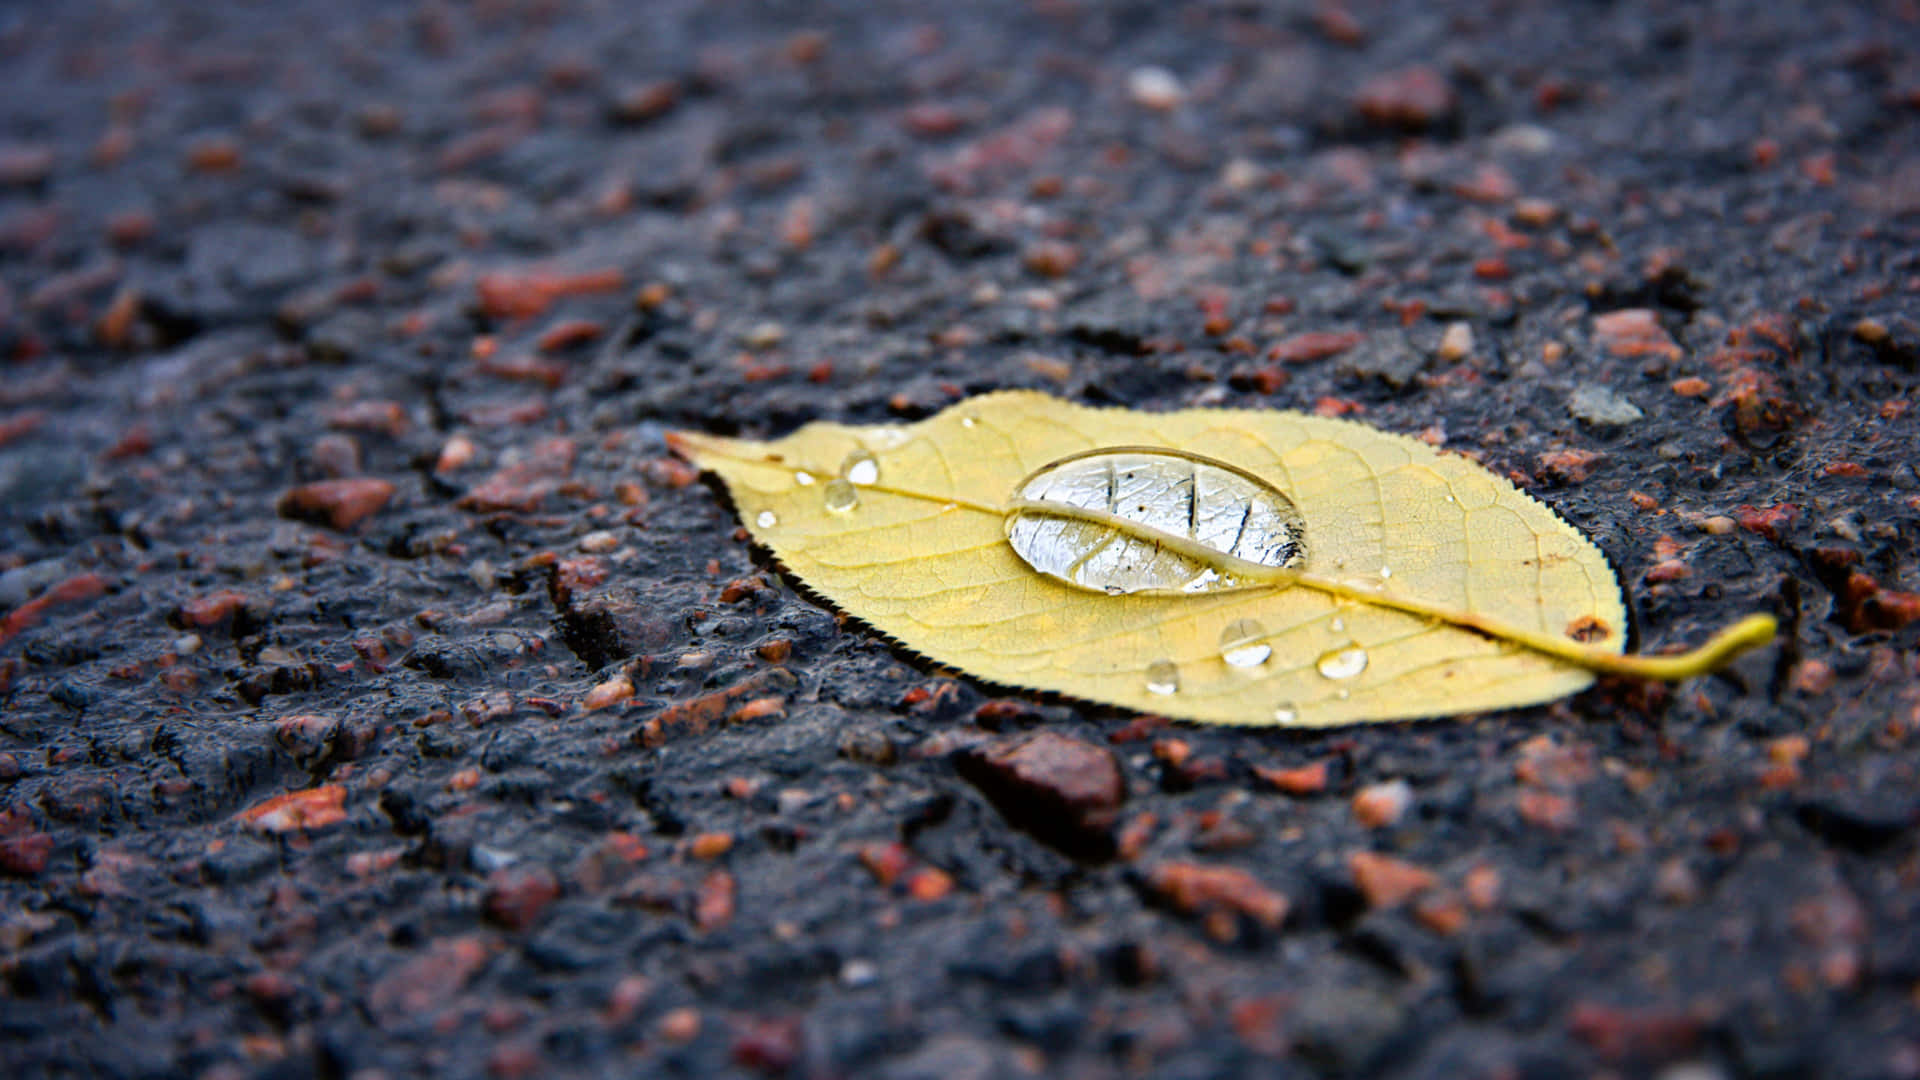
(380, 695)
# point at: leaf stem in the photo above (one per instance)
(1749, 633)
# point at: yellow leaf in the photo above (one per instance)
(1234, 567)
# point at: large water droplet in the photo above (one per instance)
(766, 520)
(861, 468)
(1286, 714)
(840, 496)
(1343, 663)
(1243, 644)
(803, 478)
(1162, 677)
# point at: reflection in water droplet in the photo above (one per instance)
(1202, 582)
(1243, 644)
(1338, 625)
(1386, 572)
(840, 495)
(1162, 677)
(1285, 714)
(1451, 499)
(1343, 663)
(861, 468)
(766, 520)
(803, 478)
(968, 421)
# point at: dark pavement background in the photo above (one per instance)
(380, 696)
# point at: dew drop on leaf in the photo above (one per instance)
(1342, 663)
(840, 495)
(803, 478)
(1285, 714)
(1163, 678)
(1243, 644)
(766, 520)
(1146, 520)
(969, 421)
(1338, 625)
(861, 467)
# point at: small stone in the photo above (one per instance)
(1441, 912)
(1379, 805)
(714, 904)
(1301, 780)
(1155, 88)
(1386, 881)
(710, 845)
(611, 692)
(1317, 345)
(427, 981)
(764, 336)
(1197, 889)
(1547, 810)
(1570, 466)
(929, 883)
(1062, 790)
(1633, 333)
(1602, 407)
(770, 1047)
(341, 504)
(1409, 99)
(644, 102)
(1051, 258)
(1676, 883)
(25, 165)
(1456, 343)
(516, 896)
(455, 454)
(314, 808)
(1535, 213)
(25, 853)
(211, 609)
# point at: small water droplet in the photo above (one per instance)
(1162, 677)
(1386, 572)
(1343, 663)
(1285, 714)
(1243, 644)
(803, 478)
(1338, 625)
(969, 421)
(766, 520)
(840, 496)
(886, 438)
(861, 468)
(1343, 694)
(1451, 499)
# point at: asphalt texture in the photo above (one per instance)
(381, 697)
